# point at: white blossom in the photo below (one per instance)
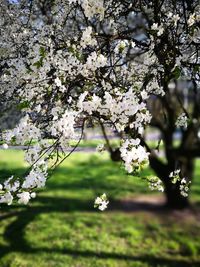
(6, 198)
(100, 148)
(133, 154)
(182, 121)
(11, 184)
(155, 183)
(158, 28)
(87, 38)
(24, 198)
(5, 146)
(191, 20)
(101, 202)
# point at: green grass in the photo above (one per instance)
(61, 228)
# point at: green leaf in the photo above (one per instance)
(23, 105)
(176, 73)
(42, 52)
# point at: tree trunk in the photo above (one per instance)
(174, 199)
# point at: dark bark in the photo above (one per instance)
(115, 155)
(174, 199)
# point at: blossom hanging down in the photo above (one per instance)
(134, 155)
(101, 202)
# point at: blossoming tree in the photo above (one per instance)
(118, 64)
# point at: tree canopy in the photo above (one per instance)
(123, 65)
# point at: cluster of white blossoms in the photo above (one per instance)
(15, 188)
(6, 197)
(24, 197)
(182, 121)
(119, 108)
(23, 133)
(94, 61)
(174, 17)
(134, 155)
(100, 148)
(155, 183)
(175, 176)
(10, 187)
(195, 17)
(158, 28)
(91, 7)
(154, 88)
(87, 38)
(64, 126)
(23, 189)
(183, 183)
(101, 202)
(36, 178)
(184, 187)
(122, 47)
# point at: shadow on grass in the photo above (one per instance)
(15, 236)
(15, 232)
(81, 178)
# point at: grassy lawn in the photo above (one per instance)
(60, 228)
